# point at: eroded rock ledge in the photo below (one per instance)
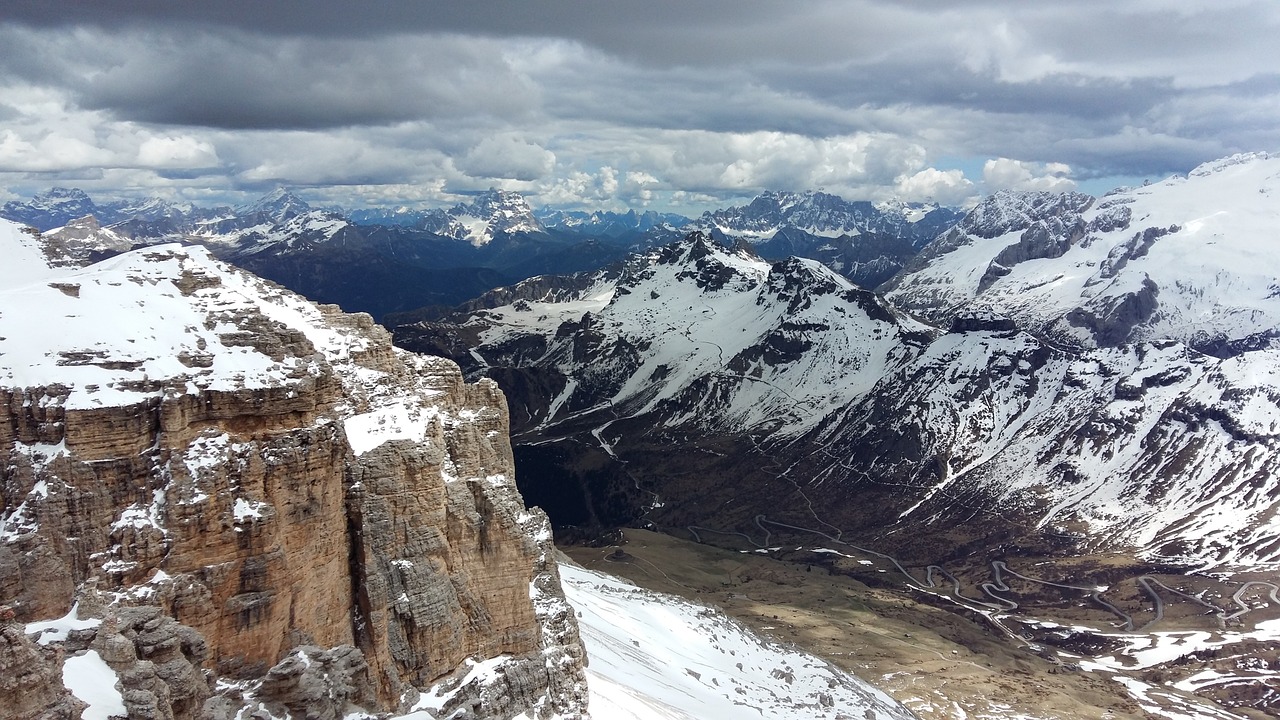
(338, 532)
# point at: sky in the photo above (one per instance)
(666, 105)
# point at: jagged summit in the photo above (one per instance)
(59, 206)
(1077, 344)
(278, 205)
(814, 212)
(1180, 260)
(220, 499)
(50, 209)
(493, 213)
(866, 242)
(607, 222)
(648, 338)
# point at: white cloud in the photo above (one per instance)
(945, 187)
(181, 151)
(1007, 174)
(52, 152)
(582, 189)
(608, 181)
(854, 164)
(507, 157)
(1004, 49)
(638, 188)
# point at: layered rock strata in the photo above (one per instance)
(320, 512)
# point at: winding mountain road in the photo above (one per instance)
(996, 603)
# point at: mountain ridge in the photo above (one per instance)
(944, 416)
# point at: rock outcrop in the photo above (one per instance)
(31, 679)
(265, 493)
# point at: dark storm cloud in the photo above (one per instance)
(588, 100)
(606, 23)
(242, 81)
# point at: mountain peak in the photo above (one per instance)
(1215, 166)
(493, 212)
(493, 201)
(280, 204)
(1175, 260)
(62, 194)
(50, 209)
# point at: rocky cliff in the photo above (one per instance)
(235, 499)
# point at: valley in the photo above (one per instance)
(945, 654)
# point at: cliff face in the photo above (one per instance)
(327, 516)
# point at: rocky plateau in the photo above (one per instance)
(237, 502)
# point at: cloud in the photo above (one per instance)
(660, 103)
(53, 152)
(1006, 174)
(244, 81)
(177, 152)
(507, 157)
(945, 187)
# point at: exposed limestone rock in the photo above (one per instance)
(354, 507)
(31, 677)
(318, 684)
(75, 243)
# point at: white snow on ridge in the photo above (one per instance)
(172, 319)
(506, 321)
(396, 421)
(105, 331)
(95, 330)
(57, 630)
(24, 260)
(725, 316)
(657, 657)
(1216, 263)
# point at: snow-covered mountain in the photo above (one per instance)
(697, 334)
(366, 260)
(279, 229)
(608, 224)
(49, 209)
(278, 205)
(1189, 259)
(701, 390)
(824, 215)
(400, 216)
(59, 206)
(178, 415)
(1153, 446)
(80, 241)
(492, 214)
(166, 414)
(866, 242)
(657, 657)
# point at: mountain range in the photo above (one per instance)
(402, 260)
(1056, 417)
(1102, 337)
(1055, 377)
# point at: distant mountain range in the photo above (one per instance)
(388, 261)
(1063, 409)
(865, 242)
